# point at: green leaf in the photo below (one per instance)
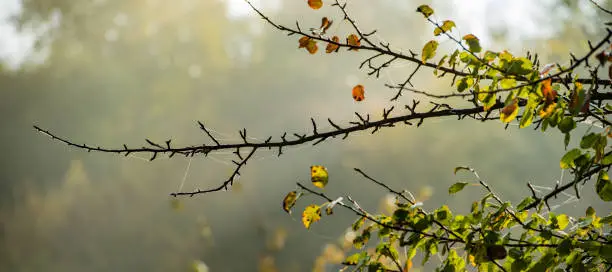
(464, 83)
(527, 118)
(445, 27)
(606, 220)
(353, 259)
(386, 250)
(525, 202)
(490, 56)
(604, 186)
(422, 224)
(443, 214)
(468, 58)
(428, 248)
(453, 58)
(425, 10)
(440, 63)
(607, 160)
(590, 211)
(589, 140)
(401, 216)
(461, 168)
(518, 66)
(567, 124)
(473, 43)
(357, 225)
(565, 247)
(582, 160)
(375, 267)
(429, 50)
(567, 161)
(362, 239)
(496, 252)
(605, 251)
(456, 187)
(577, 99)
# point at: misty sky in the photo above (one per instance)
(521, 18)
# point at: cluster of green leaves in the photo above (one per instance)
(494, 77)
(482, 238)
(495, 235)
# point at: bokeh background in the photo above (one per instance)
(109, 72)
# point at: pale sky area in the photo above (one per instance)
(521, 17)
(14, 46)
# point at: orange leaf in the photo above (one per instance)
(509, 112)
(303, 41)
(315, 4)
(353, 40)
(312, 47)
(359, 93)
(309, 44)
(550, 95)
(333, 47)
(325, 24)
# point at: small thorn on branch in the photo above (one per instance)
(319, 141)
(387, 112)
(237, 152)
(333, 125)
(243, 134)
(202, 127)
(153, 144)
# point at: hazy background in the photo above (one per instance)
(109, 72)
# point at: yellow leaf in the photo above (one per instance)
(429, 50)
(289, 201)
(547, 110)
(425, 10)
(310, 215)
(445, 27)
(509, 112)
(318, 176)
